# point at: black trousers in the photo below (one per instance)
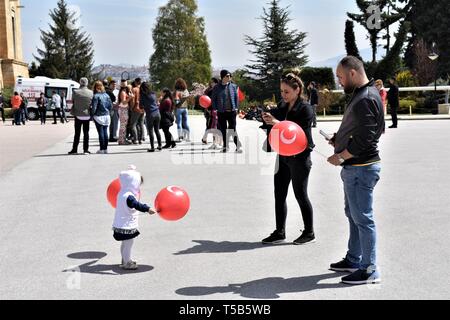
(76, 139)
(227, 123)
(2, 111)
(394, 116)
(295, 169)
(42, 114)
(168, 136)
(57, 111)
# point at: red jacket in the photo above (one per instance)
(16, 101)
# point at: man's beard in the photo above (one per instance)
(349, 88)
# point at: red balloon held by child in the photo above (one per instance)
(172, 203)
(112, 192)
(205, 101)
(288, 139)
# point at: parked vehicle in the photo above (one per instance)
(32, 88)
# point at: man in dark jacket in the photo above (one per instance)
(356, 150)
(393, 101)
(110, 88)
(225, 101)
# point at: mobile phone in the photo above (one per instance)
(325, 135)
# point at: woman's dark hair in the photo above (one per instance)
(293, 80)
(215, 80)
(167, 94)
(180, 84)
(145, 88)
(127, 91)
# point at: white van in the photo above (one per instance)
(32, 88)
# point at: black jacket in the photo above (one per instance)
(362, 126)
(302, 114)
(393, 96)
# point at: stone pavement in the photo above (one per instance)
(57, 242)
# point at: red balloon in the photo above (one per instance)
(172, 203)
(112, 192)
(241, 95)
(288, 139)
(205, 102)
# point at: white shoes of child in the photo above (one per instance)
(130, 265)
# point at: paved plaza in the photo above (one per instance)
(56, 239)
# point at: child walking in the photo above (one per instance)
(125, 224)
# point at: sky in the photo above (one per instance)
(122, 30)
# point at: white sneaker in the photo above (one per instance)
(213, 147)
(130, 265)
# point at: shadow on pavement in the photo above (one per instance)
(135, 151)
(268, 288)
(101, 269)
(206, 246)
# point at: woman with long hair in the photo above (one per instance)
(293, 107)
(124, 100)
(153, 117)
(167, 118)
(181, 104)
(101, 108)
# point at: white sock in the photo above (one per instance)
(125, 250)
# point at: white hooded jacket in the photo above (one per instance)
(127, 218)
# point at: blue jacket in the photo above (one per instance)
(101, 104)
(148, 101)
(219, 97)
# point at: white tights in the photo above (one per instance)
(125, 250)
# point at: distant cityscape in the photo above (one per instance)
(122, 71)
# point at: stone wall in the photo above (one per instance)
(11, 56)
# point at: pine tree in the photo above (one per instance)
(181, 47)
(350, 40)
(68, 52)
(278, 50)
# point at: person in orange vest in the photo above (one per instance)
(16, 102)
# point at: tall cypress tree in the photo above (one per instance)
(68, 51)
(181, 47)
(278, 50)
(368, 20)
(350, 40)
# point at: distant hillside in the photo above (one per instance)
(366, 54)
(121, 71)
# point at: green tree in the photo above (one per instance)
(321, 76)
(376, 16)
(181, 47)
(350, 40)
(430, 23)
(279, 49)
(391, 63)
(68, 51)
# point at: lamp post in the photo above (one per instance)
(433, 56)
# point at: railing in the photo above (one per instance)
(418, 89)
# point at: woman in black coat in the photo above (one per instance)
(296, 168)
(167, 117)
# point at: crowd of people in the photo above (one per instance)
(125, 115)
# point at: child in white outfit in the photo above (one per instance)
(125, 224)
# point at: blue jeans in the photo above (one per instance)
(182, 124)
(359, 183)
(102, 135)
